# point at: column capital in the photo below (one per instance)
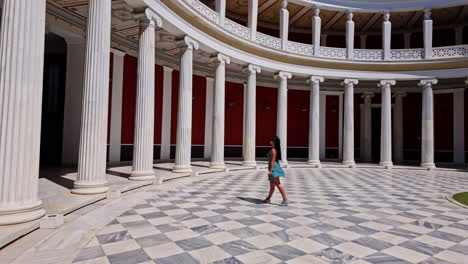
(386, 82)
(427, 82)
(252, 69)
(349, 15)
(188, 43)
(315, 79)
(316, 12)
(167, 69)
(284, 4)
(427, 14)
(148, 16)
(386, 16)
(367, 95)
(350, 82)
(118, 52)
(283, 75)
(221, 58)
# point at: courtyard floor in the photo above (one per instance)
(335, 215)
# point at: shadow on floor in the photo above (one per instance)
(118, 173)
(251, 200)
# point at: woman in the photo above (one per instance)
(275, 171)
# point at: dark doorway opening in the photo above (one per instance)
(53, 97)
(376, 117)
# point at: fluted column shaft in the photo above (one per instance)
(427, 136)
(282, 115)
(349, 35)
(316, 29)
(22, 60)
(91, 177)
(459, 126)
(386, 124)
(398, 128)
(284, 24)
(348, 138)
(184, 112)
(142, 168)
(250, 112)
(217, 147)
(366, 151)
(314, 121)
(386, 36)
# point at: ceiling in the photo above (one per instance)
(335, 21)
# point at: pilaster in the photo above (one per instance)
(427, 33)
(366, 150)
(116, 106)
(284, 24)
(398, 127)
(349, 34)
(166, 114)
(252, 19)
(386, 35)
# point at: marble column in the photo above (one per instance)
(316, 30)
(459, 126)
(184, 111)
(427, 137)
(166, 114)
(363, 41)
(386, 125)
(284, 24)
(21, 74)
(73, 95)
(220, 7)
(91, 178)
(459, 35)
(252, 19)
(348, 138)
(217, 150)
(250, 112)
(210, 83)
(115, 135)
(398, 127)
(366, 151)
(407, 40)
(386, 36)
(349, 35)
(427, 33)
(143, 147)
(314, 121)
(282, 115)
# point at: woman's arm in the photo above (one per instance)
(272, 160)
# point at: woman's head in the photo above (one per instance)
(276, 144)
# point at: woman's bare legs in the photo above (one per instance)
(277, 182)
(272, 190)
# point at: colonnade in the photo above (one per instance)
(21, 87)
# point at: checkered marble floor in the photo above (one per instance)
(334, 216)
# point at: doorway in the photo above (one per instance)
(53, 101)
(375, 126)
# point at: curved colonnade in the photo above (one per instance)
(199, 28)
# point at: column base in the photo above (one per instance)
(22, 214)
(428, 165)
(89, 188)
(142, 176)
(386, 164)
(249, 163)
(315, 163)
(217, 165)
(349, 163)
(182, 169)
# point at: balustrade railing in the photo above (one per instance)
(327, 52)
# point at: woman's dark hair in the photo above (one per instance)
(277, 147)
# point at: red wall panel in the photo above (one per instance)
(128, 99)
(466, 120)
(298, 118)
(198, 108)
(266, 115)
(332, 122)
(233, 126)
(443, 121)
